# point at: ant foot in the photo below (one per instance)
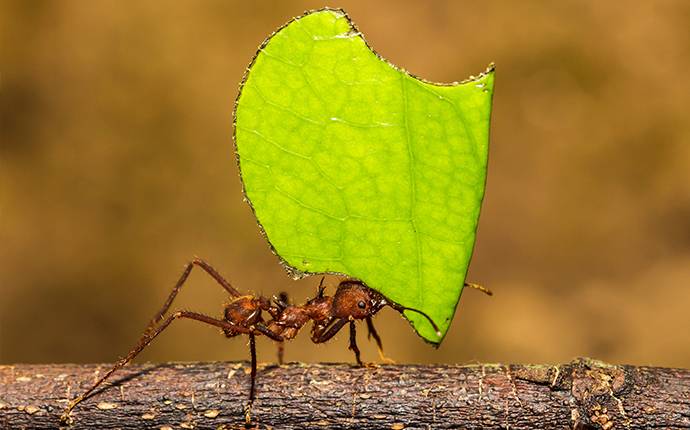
(385, 359)
(365, 364)
(248, 415)
(66, 418)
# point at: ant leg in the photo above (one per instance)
(183, 278)
(252, 389)
(481, 288)
(281, 301)
(322, 335)
(283, 296)
(217, 276)
(373, 333)
(353, 343)
(281, 345)
(261, 328)
(144, 341)
(281, 352)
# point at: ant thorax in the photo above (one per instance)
(320, 308)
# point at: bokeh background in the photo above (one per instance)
(117, 166)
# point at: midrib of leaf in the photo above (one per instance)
(458, 112)
(413, 191)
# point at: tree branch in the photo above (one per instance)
(582, 394)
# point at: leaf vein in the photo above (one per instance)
(459, 113)
(413, 191)
(306, 206)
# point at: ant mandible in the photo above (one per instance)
(352, 301)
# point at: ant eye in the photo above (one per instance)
(361, 305)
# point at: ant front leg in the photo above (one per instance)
(379, 345)
(353, 343)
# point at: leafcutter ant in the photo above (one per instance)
(244, 315)
(352, 301)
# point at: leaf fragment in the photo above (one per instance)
(353, 166)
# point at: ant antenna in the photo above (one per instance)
(479, 287)
(401, 309)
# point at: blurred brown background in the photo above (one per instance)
(116, 167)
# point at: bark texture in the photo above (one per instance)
(583, 394)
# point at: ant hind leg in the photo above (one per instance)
(252, 389)
(149, 335)
(181, 281)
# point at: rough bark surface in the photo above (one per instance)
(582, 394)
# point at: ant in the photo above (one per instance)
(352, 301)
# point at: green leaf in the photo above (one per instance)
(353, 166)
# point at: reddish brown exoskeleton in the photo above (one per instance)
(352, 301)
(244, 314)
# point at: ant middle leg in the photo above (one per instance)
(324, 333)
(284, 301)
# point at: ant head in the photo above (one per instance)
(355, 300)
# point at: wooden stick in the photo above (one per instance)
(583, 394)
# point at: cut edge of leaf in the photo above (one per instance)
(292, 271)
